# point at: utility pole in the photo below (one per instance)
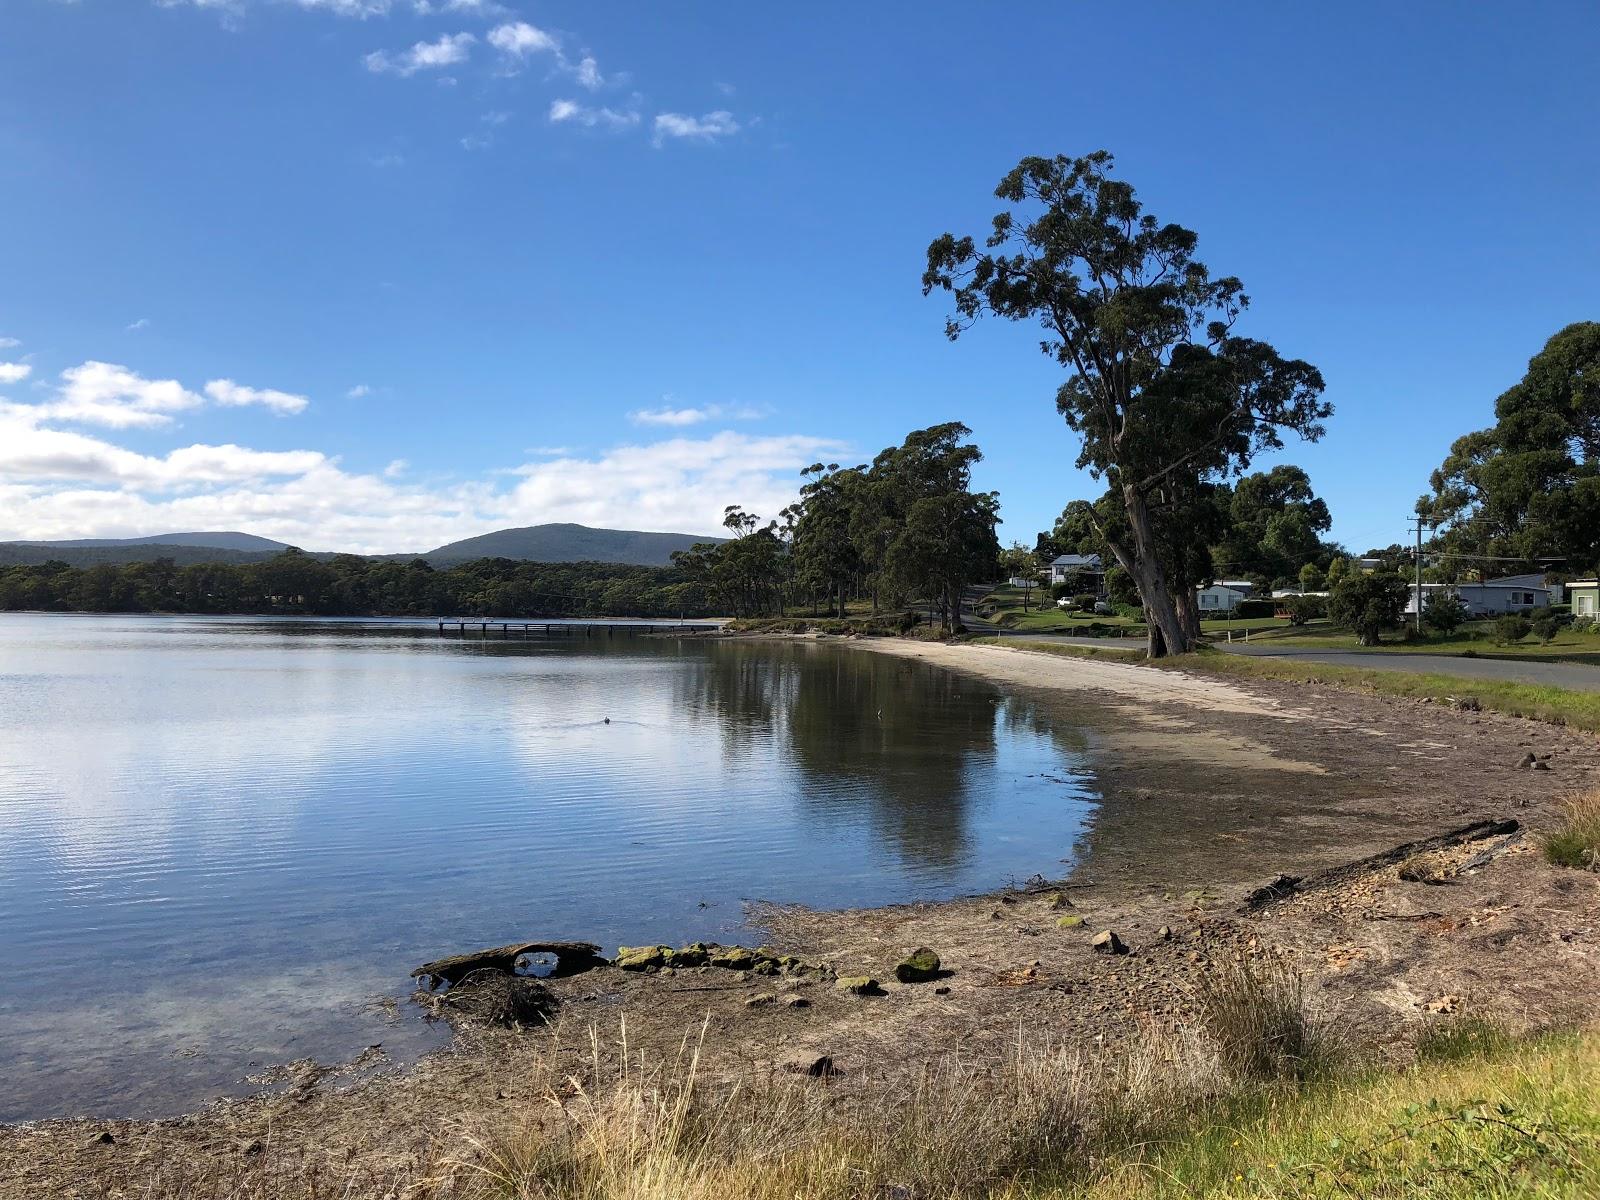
(1420, 524)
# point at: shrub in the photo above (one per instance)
(1583, 624)
(1577, 842)
(1510, 629)
(1304, 609)
(1256, 1013)
(1062, 590)
(1443, 612)
(1546, 628)
(1255, 608)
(1368, 604)
(1084, 602)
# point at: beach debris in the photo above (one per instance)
(572, 958)
(492, 997)
(760, 1001)
(1071, 921)
(920, 966)
(796, 1002)
(817, 1066)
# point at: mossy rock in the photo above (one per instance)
(1057, 900)
(733, 958)
(859, 985)
(1071, 922)
(919, 966)
(696, 954)
(642, 958)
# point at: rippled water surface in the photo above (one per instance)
(225, 842)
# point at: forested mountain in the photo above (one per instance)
(570, 543)
(224, 540)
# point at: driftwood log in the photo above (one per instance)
(1285, 886)
(572, 958)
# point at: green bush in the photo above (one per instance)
(1443, 612)
(1303, 609)
(1546, 628)
(1060, 591)
(1084, 602)
(1510, 629)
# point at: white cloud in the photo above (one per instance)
(231, 395)
(9, 343)
(571, 112)
(136, 326)
(708, 128)
(448, 50)
(681, 417)
(14, 372)
(587, 73)
(56, 484)
(358, 392)
(518, 39)
(484, 8)
(396, 468)
(477, 141)
(99, 393)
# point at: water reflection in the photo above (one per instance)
(206, 809)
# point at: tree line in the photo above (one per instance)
(350, 585)
(906, 527)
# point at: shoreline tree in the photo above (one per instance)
(1160, 392)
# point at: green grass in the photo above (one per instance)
(1472, 640)
(1577, 842)
(1519, 1122)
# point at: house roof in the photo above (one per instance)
(1075, 560)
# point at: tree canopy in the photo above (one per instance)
(1161, 393)
(1528, 487)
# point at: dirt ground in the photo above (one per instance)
(1317, 778)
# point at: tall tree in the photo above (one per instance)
(1158, 389)
(1528, 487)
(1275, 525)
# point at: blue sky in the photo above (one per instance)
(375, 275)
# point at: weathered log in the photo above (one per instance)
(572, 958)
(1285, 886)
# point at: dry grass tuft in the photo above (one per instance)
(1577, 842)
(1257, 1015)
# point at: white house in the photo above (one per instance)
(1492, 597)
(1219, 597)
(1243, 586)
(1066, 565)
(1585, 594)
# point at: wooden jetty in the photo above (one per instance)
(489, 625)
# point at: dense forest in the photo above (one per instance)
(349, 585)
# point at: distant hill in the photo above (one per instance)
(534, 543)
(215, 541)
(570, 543)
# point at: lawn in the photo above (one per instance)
(1474, 640)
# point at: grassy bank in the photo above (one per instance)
(1486, 1118)
(1559, 706)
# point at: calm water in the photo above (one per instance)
(224, 842)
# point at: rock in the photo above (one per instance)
(920, 966)
(1107, 942)
(859, 985)
(693, 955)
(642, 958)
(760, 1001)
(1069, 922)
(941, 991)
(1057, 900)
(1539, 764)
(816, 1066)
(1526, 761)
(103, 1138)
(1165, 933)
(251, 1147)
(796, 1002)
(733, 958)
